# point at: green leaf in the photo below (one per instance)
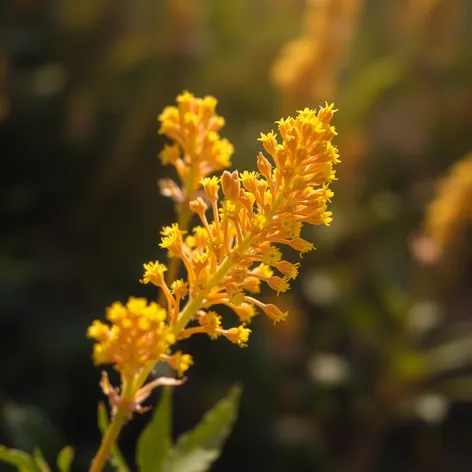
(116, 457)
(155, 441)
(196, 450)
(64, 459)
(370, 83)
(40, 461)
(21, 460)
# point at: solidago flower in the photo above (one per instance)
(180, 362)
(244, 220)
(309, 65)
(211, 323)
(137, 334)
(154, 273)
(239, 335)
(450, 210)
(430, 26)
(253, 213)
(198, 149)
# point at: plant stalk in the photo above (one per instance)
(110, 438)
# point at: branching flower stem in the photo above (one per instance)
(225, 259)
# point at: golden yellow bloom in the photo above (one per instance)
(153, 273)
(260, 211)
(264, 270)
(430, 25)
(245, 312)
(288, 269)
(244, 220)
(179, 288)
(271, 255)
(198, 150)
(180, 362)
(211, 323)
(211, 187)
(136, 335)
(239, 335)
(278, 284)
(451, 209)
(308, 67)
(172, 239)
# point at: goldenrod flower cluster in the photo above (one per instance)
(431, 25)
(244, 219)
(198, 149)
(138, 334)
(308, 66)
(451, 209)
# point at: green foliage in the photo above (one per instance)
(35, 462)
(40, 460)
(194, 451)
(368, 85)
(155, 441)
(65, 458)
(21, 460)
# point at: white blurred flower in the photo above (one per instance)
(431, 407)
(319, 288)
(423, 316)
(328, 369)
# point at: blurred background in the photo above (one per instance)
(373, 369)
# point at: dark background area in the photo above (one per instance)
(372, 371)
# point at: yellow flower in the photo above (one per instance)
(272, 311)
(308, 66)
(288, 269)
(246, 312)
(265, 209)
(198, 149)
(211, 187)
(271, 255)
(180, 362)
(170, 154)
(179, 288)
(137, 334)
(153, 273)
(239, 335)
(237, 245)
(450, 210)
(278, 284)
(172, 239)
(264, 270)
(301, 245)
(98, 331)
(211, 323)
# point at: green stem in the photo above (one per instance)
(110, 438)
(114, 428)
